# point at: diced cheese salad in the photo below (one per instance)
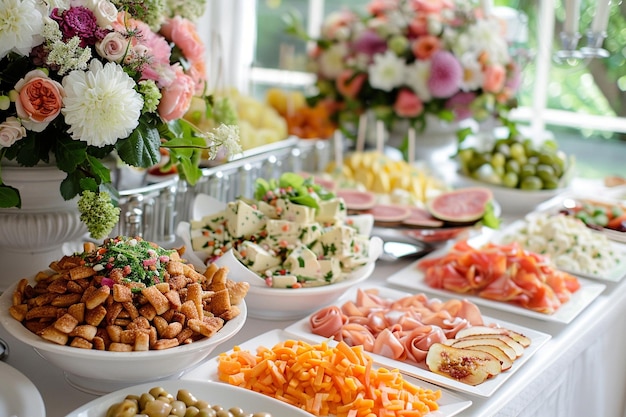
(289, 244)
(569, 243)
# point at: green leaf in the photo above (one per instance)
(100, 171)
(262, 187)
(141, 148)
(88, 183)
(290, 179)
(70, 186)
(305, 200)
(70, 153)
(9, 197)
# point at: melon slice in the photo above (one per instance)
(356, 199)
(463, 205)
(422, 218)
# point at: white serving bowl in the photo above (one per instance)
(216, 393)
(269, 303)
(100, 372)
(512, 201)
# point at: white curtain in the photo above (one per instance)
(228, 28)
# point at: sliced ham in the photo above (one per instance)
(356, 199)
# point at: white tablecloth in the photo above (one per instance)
(581, 371)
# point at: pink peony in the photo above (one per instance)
(184, 34)
(408, 104)
(177, 97)
(461, 103)
(445, 75)
(370, 43)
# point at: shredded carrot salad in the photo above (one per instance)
(325, 380)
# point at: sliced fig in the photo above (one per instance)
(477, 330)
(470, 343)
(463, 205)
(356, 199)
(469, 366)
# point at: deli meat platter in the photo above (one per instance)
(420, 370)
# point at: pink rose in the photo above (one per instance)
(39, 100)
(184, 34)
(113, 47)
(176, 97)
(11, 130)
(408, 104)
(495, 76)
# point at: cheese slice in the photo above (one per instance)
(257, 258)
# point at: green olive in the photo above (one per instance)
(236, 411)
(510, 180)
(127, 408)
(531, 183)
(187, 397)
(144, 399)
(192, 411)
(207, 412)
(158, 408)
(156, 391)
(178, 408)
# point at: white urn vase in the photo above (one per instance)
(43, 229)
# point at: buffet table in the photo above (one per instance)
(578, 372)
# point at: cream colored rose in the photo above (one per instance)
(11, 130)
(104, 10)
(113, 47)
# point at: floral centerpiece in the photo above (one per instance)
(85, 80)
(407, 59)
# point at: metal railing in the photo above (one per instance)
(153, 211)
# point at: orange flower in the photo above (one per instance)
(408, 104)
(495, 75)
(425, 46)
(348, 84)
(39, 100)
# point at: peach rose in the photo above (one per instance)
(495, 76)
(408, 104)
(11, 130)
(176, 97)
(39, 100)
(348, 84)
(424, 46)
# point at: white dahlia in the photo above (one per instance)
(387, 72)
(101, 104)
(20, 26)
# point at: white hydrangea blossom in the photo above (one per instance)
(225, 135)
(20, 26)
(101, 105)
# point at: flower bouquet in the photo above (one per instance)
(85, 80)
(408, 59)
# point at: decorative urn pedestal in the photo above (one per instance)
(35, 235)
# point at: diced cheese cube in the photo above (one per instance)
(295, 212)
(243, 220)
(283, 281)
(331, 211)
(257, 258)
(359, 254)
(331, 269)
(303, 262)
(267, 209)
(208, 229)
(281, 232)
(337, 241)
(309, 233)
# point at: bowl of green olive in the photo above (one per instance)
(186, 398)
(521, 173)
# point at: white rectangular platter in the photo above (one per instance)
(485, 389)
(449, 403)
(412, 278)
(613, 275)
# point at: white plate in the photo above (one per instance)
(18, 395)
(412, 278)
(614, 275)
(214, 392)
(449, 403)
(485, 389)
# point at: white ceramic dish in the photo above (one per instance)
(614, 275)
(100, 372)
(18, 395)
(269, 303)
(214, 392)
(512, 201)
(449, 403)
(412, 278)
(485, 389)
